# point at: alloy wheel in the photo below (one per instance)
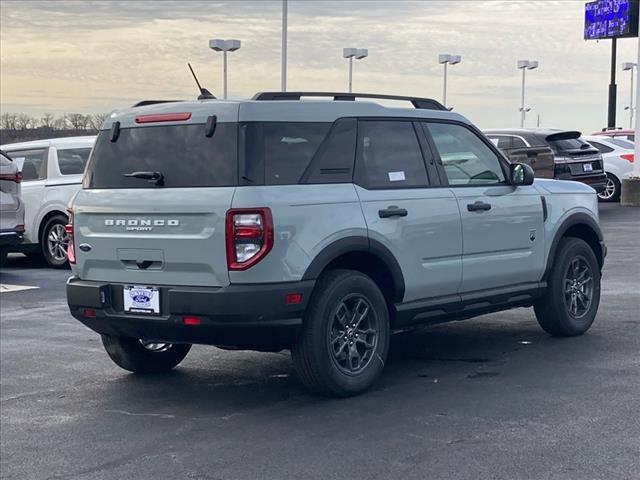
(578, 287)
(353, 334)
(57, 243)
(155, 346)
(609, 190)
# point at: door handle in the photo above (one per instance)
(478, 206)
(392, 211)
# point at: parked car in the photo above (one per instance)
(625, 134)
(618, 156)
(574, 158)
(11, 206)
(540, 158)
(51, 175)
(316, 226)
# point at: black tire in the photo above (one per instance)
(609, 195)
(132, 355)
(320, 368)
(555, 311)
(52, 250)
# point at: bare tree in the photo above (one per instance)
(60, 123)
(97, 119)
(78, 121)
(8, 121)
(23, 121)
(47, 120)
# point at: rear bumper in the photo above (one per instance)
(597, 182)
(11, 238)
(237, 316)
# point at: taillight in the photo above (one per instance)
(12, 177)
(628, 157)
(68, 228)
(249, 236)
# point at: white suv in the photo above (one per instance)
(51, 175)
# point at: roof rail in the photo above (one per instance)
(417, 102)
(153, 102)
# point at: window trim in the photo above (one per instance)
(502, 160)
(410, 120)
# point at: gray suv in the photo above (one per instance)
(316, 226)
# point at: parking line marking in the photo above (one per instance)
(5, 288)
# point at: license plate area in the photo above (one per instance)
(587, 167)
(141, 299)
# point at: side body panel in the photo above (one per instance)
(307, 219)
(427, 242)
(506, 244)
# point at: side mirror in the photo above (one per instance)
(521, 174)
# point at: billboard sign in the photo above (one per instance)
(611, 19)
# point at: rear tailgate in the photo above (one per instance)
(578, 156)
(152, 237)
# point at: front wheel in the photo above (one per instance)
(611, 192)
(573, 294)
(54, 242)
(345, 338)
(144, 356)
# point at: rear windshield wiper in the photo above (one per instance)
(157, 178)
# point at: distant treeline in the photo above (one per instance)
(20, 127)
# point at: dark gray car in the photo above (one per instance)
(575, 159)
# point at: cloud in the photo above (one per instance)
(95, 56)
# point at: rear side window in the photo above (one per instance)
(183, 154)
(502, 141)
(33, 163)
(622, 143)
(389, 156)
(278, 153)
(467, 160)
(71, 161)
(602, 148)
(518, 142)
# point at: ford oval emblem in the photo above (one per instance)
(85, 247)
(140, 298)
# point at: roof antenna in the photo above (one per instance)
(204, 93)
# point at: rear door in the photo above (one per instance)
(502, 229)
(166, 230)
(420, 225)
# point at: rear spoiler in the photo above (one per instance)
(568, 135)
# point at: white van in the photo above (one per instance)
(51, 175)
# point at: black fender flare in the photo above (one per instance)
(571, 221)
(358, 244)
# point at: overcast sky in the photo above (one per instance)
(61, 56)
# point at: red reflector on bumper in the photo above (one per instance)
(189, 320)
(89, 312)
(293, 298)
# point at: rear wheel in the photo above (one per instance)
(573, 294)
(144, 356)
(54, 242)
(611, 192)
(345, 336)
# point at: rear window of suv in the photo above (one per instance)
(183, 154)
(569, 144)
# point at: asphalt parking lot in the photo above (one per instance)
(493, 397)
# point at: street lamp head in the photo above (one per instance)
(220, 45)
(357, 53)
(528, 64)
(455, 59)
(629, 65)
(444, 58)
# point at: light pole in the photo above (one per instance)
(224, 46)
(525, 65)
(283, 60)
(351, 53)
(447, 59)
(630, 66)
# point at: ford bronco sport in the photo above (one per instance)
(316, 226)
